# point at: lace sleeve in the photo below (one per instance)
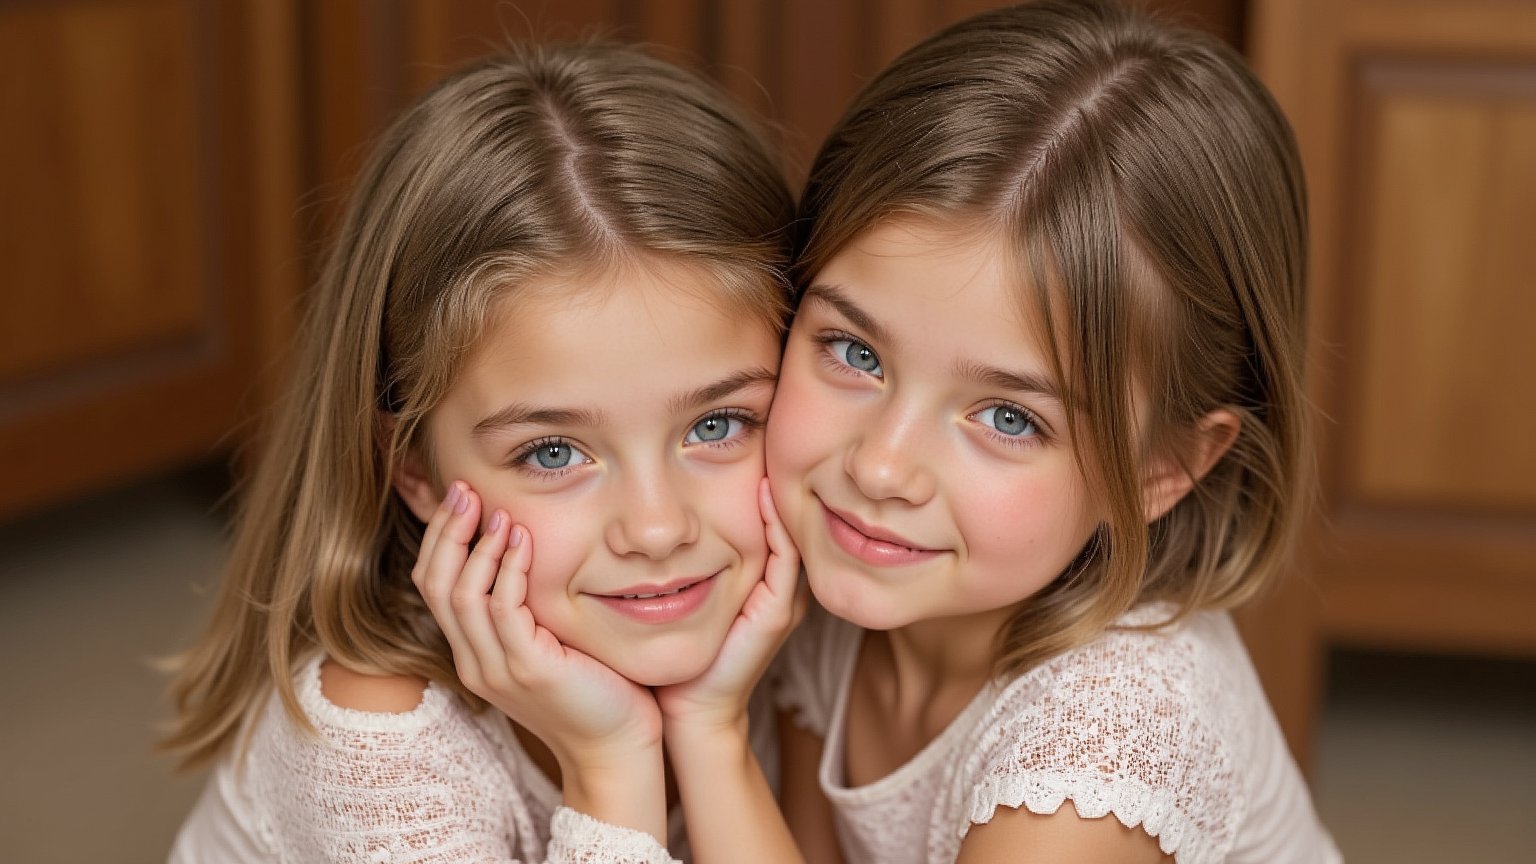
(427, 785)
(1122, 728)
(576, 838)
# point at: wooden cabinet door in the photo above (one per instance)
(798, 63)
(146, 244)
(1417, 124)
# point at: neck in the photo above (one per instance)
(944, 656)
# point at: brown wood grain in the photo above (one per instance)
(140, 282)
(1416, 134)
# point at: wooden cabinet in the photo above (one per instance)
(147, 178)
(1417, 124)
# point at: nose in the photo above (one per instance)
(886, 462)
(653, 517)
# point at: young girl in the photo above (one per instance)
(1040, 423)
(557, 301)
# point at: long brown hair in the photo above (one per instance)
(542, 161)
(1152, 195)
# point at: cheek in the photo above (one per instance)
(1031, 520)
(561, 536)
(795, 425)
(730, 503)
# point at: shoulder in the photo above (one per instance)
(1133, 724)
(363, 720)
(356, 691)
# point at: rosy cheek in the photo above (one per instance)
(791, 427)
(557, 544)
(733, 506)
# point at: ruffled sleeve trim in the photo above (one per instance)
(1133, 725)
(1154, 810)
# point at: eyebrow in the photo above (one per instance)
(1024, 382)
(521, 414)
(733, 383)
(834, 297)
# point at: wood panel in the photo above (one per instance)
(103, 185)
(1445, 307)
(1415, 130)
(133, 306)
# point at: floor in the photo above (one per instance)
(1420, 759)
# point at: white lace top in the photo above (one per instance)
(436, 784)
(1167, 730)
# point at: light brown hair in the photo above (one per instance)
(545, 161)
(1152, 196)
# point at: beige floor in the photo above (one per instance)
(1420, 760)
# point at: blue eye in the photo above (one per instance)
(551, 454)
(554, 455)
(720, 426)
(715, 427)
(1009, 420)
(857, 355)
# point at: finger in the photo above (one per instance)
(471, 606)
(783, 568)
(514, 622)
(446, 541)
(444, 562)
(434, 529)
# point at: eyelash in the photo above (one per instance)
(522, 454)
(1041, 436)
(837, 364)
(750, 424)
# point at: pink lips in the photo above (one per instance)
(871, 545)
(659, 604)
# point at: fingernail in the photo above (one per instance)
(461, 499)
(455, 494)
(496, 519)
(517, 536)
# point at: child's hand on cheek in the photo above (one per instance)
(718, 698)
(589, 715)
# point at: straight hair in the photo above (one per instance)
(543, 161)
(1150, 197)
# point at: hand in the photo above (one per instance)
(718, 697)
(590, 717)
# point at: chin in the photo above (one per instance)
(661, 668)
(836, 596)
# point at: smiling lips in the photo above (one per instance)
(873, 546)
(659, 604)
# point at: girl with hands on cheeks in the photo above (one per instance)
(510, 520)
(605, 731)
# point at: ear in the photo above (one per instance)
(1167, 481)
(409, 475)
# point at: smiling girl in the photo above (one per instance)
(1040, 424)
(555, 306)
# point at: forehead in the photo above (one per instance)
(637, 332)
(927, 271)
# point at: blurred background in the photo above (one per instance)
(170, 171)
